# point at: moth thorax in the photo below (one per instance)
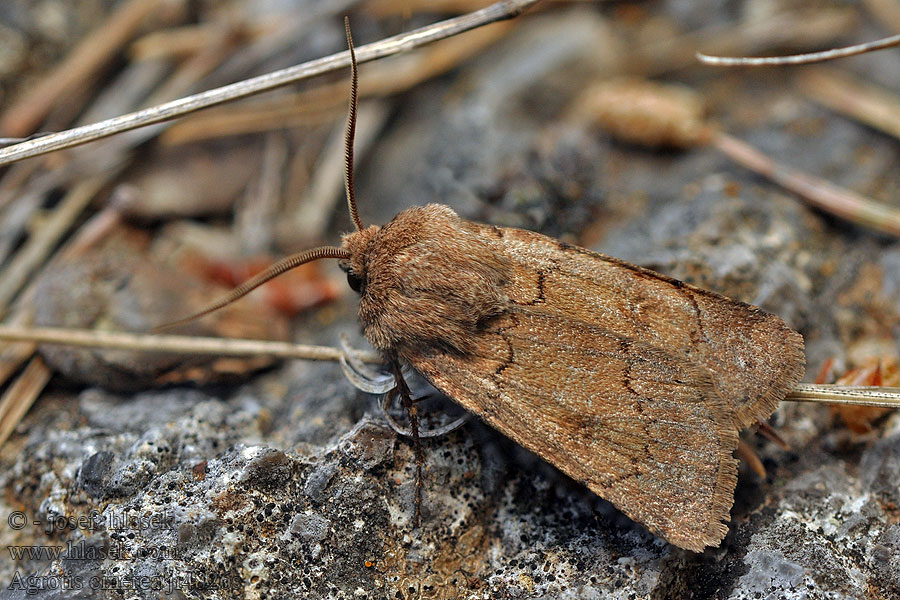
(431, 281)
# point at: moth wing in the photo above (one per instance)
(755, 357)
(641, 428)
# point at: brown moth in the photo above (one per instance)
(633, 383)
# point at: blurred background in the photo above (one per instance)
(592, 122)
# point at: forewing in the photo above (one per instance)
(753, 356)
(640, 427)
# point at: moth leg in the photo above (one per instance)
(426, 433)
(769, 432)
(746, 453)
(360, 374)
(368, 380)
(379, 384)
(407, 402)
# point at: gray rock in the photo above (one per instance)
(880, 470)
(293, 486)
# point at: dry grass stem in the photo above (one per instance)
(187, 40)
(841, 92)
(809, 28)
(179, 344)
(16, 401)
(321, 104)
(13, 355)
(43, 241)
(89, 338)
(820, 193)
(505, 9)
(94, 51)
(271, 115)
(886, 397)
(799, 59)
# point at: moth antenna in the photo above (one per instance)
(351, 131)
(285, 264)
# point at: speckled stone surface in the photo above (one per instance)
(291, 485)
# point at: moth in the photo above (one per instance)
(631, 382)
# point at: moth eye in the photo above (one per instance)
(356, 283)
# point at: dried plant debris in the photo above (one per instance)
(201, 182)
(874, 371)
(288, 483)
(654, 115)
(119, 286)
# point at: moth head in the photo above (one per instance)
(351, 253)
(357, 245)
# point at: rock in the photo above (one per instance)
(291, 485)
